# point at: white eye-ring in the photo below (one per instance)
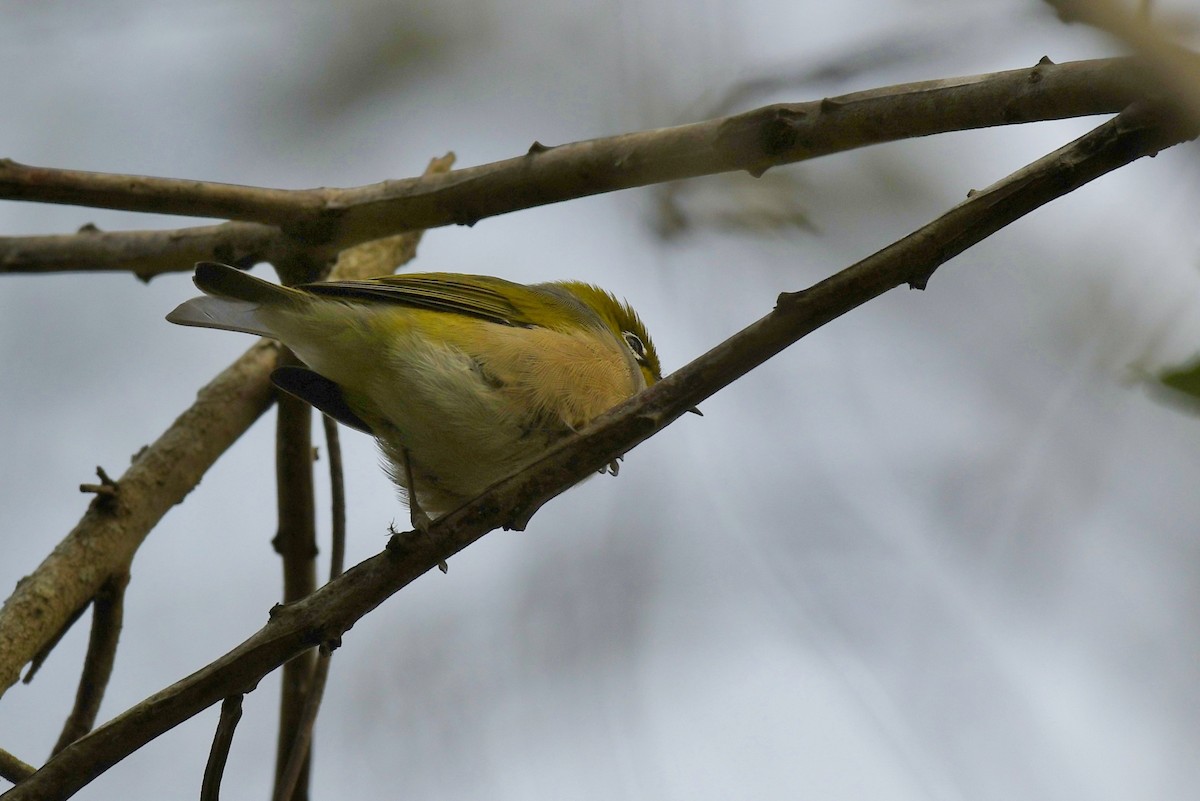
(635, 344)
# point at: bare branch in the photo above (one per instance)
(296, 543)
(231, 713)
(13, 769)
(386, 255)
(108, 611)
(288, 781)
(329, 220)
(105, 539)
(337, 498)
(330, 611)
(144, 253)
(156, 195)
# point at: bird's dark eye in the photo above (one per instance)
(635, 344)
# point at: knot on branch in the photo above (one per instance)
(762, 137)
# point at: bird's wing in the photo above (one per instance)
(492, 299)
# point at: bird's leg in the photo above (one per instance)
(416, 515)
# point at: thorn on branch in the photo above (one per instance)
(1045, 61)
(921, 281)
(790, 299)
(537, 147)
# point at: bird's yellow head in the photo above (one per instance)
(623, 321)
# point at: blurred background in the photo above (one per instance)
(944, 548)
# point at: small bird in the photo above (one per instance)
(462, 379)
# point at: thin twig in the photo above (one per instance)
(331, 610)
(325, 221)
(337, 497)
(108, 609)
(214, 770)
(107, 488)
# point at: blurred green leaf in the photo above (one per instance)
(1184, 382)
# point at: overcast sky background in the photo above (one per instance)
(944, 548)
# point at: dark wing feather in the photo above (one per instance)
(320, 392)
(487, 298)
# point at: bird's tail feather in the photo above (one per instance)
(232, 300)
(223, 281)
(222, 313)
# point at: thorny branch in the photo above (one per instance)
(274, 223)
(330, 611)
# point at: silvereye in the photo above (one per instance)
(462, 379)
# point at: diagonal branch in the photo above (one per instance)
(330, 611)
(108, 612)
(332, 219)
(104, 541)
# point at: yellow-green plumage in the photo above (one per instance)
(468, 377)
